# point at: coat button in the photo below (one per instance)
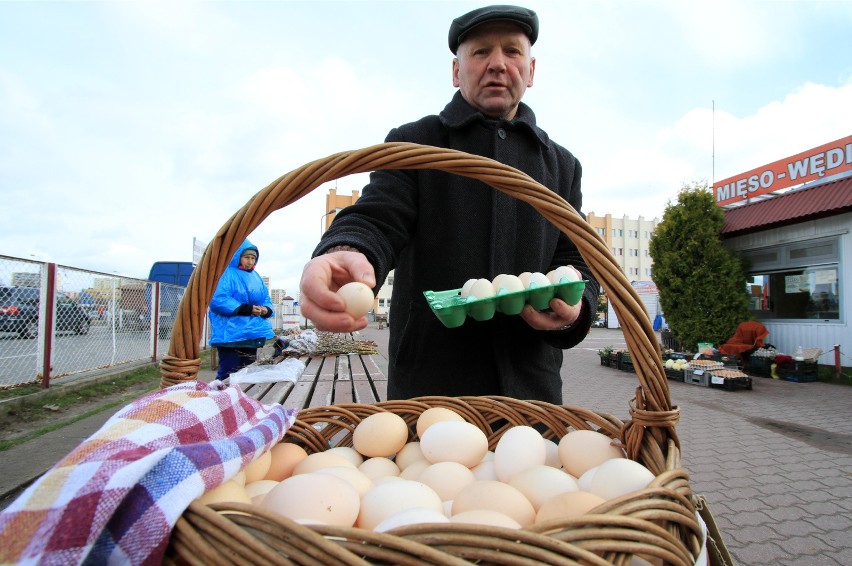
(502, 133)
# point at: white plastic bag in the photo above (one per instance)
(303, 344)
(288, 370)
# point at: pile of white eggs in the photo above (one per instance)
(384, 481)
(483, 288)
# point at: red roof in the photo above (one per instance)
(818, 201)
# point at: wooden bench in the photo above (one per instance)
(331, 380)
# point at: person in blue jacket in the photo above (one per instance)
(239, 312)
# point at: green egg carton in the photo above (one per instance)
(452, 309)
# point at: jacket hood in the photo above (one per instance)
(246, 245)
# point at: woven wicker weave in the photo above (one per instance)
(659, 521)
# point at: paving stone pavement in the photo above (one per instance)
(775, 463)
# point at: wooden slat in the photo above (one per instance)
(343, 383)
(331, 380)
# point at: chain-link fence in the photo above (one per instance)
(58, 321)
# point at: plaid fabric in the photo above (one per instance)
(116, 497)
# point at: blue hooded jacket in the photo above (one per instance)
(236, 288)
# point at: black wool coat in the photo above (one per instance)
(437, 230)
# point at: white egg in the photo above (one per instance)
(565, 272)
(454, 441)
(525, 278)
(619, 476)
(540, 483)
(519, 448)
(413, 470)
(482, 289)
(509, 283)
(379, 466)
(446, 478)
(484, 471)
(585, 481)
(552, 458)
(358, 298)
(388, 498)
(409, 454)
(257, 490)
(465, 290)
(537, 279)
(347, 452)
(413, 516)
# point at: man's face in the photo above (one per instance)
(494, 68)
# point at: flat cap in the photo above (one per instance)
(524, 18)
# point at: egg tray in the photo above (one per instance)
(452, 309)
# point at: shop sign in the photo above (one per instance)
(645, 287)
(814, 164)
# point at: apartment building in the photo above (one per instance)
(629, 241)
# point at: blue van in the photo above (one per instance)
(175, 277)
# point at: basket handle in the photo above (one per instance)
(652, 405)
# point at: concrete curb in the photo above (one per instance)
(66, 384)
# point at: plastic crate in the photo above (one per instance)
(729, 383)
(760, 366)
(802, 372)
(674, 374)
(626, 362)
(615, 360)
(696, 377)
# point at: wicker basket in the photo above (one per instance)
(658, 522)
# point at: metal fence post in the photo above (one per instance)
(47, 308)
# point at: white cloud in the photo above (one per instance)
(164, 118)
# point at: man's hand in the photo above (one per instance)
(560, 316)
(321, 279)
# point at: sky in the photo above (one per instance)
(129, 128)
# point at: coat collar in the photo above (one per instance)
(458, 114)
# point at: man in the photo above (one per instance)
(437, 230)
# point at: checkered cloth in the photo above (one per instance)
(116, 497)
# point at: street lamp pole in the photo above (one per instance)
(323, 224)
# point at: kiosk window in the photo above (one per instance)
(811, 293)
(795, 281)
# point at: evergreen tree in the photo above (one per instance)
(702, 284)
